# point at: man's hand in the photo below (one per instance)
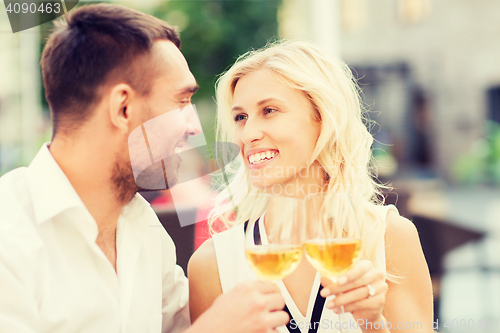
(253, 307)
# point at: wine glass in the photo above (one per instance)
(273, 240)
(325, 244)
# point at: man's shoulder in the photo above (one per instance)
(16, 207)
(14, 194)
(12, 177)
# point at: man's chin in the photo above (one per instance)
(158, 187)
(158, 176)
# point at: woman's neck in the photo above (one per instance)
(306, 183)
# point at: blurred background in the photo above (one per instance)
(430, 75)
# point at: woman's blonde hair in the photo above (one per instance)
(343, 147)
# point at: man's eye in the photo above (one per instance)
(184, 104)
(240, 117)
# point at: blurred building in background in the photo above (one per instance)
(428, 70)
(430, 77)
(21, 124)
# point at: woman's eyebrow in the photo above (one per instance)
(264, 101)
(259, 103)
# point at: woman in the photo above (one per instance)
(295, 114)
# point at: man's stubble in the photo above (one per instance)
(154, 178)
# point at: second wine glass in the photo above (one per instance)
(324, 243)
(273, 240)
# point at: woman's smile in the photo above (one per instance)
(275, 129)
(262, 158)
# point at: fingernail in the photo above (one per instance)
(325, 292)
(336, 309)
(342, 280)
(330, 305)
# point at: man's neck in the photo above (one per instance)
(88, 167)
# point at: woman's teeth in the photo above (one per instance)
(261, 157)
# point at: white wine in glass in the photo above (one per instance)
(329, 254)
(274, 262)
(277, 251)
(332, 257)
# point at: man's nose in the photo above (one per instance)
(193, 121)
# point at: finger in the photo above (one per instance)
(273, 302)
(370, 277)
(331, 288)
(264, 287)
(277, 318)
(349, 297)
(375, 304)
(358, 294)
(327, 283)
(358, 270)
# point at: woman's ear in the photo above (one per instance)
(122, 107)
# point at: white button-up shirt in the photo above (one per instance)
(53, 276)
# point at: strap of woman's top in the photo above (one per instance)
(318, 304)
(256, 232)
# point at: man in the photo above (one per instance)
(80, 251)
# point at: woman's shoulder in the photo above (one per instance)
(203, 276)
(228, 233)
(394, 222)
(382, 211)
(203, 259)
(403, 248)
(399, 228)
(221, 259)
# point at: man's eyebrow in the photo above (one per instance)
(188, 90)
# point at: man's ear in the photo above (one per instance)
(122, 107)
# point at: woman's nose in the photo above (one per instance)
(251, 132)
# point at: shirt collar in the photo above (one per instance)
(51, 191)
(135, 217)
(136, 208)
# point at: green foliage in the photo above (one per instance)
(214, 34)
(482, 163)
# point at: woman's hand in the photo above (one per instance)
(361, 291)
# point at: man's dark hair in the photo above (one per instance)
(93, 46)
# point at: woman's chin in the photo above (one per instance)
(263, 184)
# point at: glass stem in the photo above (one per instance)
(341, 319)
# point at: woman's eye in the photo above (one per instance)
(240, 117)
(269, 110)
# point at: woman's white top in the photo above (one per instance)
(234, 269)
